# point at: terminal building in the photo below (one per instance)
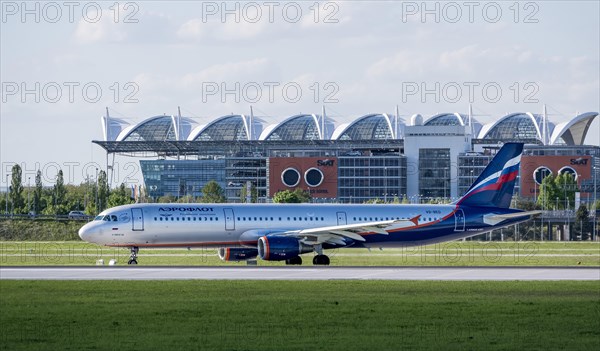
(376, 156)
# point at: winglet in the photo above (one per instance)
(415, 219)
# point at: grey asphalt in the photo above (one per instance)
(299, 273)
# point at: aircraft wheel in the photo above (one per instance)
(321, 260)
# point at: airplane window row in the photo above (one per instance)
(375, 219)
(260, 219)
(183, 219)
(107, 218)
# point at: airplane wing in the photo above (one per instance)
(493, 219)
(336, 234)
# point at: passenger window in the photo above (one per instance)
(271, 218)
(161, 219)
(260, 219)
(280, 218)
(155, 219)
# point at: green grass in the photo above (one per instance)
(277, 315)
(458, 253)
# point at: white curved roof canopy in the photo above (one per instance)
(158, 128)
(229, 128)
(368, 127)
(115, 127)
(300, 127)
(574, 131)
(513, 126)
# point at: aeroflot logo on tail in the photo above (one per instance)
(186, 209)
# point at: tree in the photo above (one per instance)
(59, 190)
(253, 194)
(16, 191)
(37, 193)
(103, 191)
(120, 197)
(548, 193)
(212, 192)
(296, 196)
(582, 223)
(566, 186)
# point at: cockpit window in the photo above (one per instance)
(114, 218)
(106, 218)
(98, 218)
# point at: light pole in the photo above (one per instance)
(28, 191)
(7, 188)
(595, 206)
(96, 203)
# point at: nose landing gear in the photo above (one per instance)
(133, 256)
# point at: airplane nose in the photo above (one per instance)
(85, 232)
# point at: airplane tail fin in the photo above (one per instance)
(495, 185)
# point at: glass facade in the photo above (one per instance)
(364, 178)
(299, 128)
(158, 129)
(368, 128)
(239, 171)
(181, 177)
(445, 120)
(470, 167)
(516, 127)
(227, 129)
(434, 173)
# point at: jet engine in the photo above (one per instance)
(237, 254)
(279, 248)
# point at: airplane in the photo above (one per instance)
(283, 232)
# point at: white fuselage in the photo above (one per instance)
(227, 225)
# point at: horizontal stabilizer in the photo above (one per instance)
(493, 219)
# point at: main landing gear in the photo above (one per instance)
(320, 259)
(133, 256)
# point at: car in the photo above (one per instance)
(77, 215)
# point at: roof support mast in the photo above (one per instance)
(323, 123)
(544, 125)
(397, 112)
(251, 125)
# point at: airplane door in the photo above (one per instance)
(229, 219)
(341, 218)
(137, 219)
(459, 220)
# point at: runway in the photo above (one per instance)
(300, 273)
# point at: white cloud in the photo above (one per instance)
(105, 29)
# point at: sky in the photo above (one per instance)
(63, 63)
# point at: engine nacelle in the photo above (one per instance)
(279, 248)
(231, 254)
